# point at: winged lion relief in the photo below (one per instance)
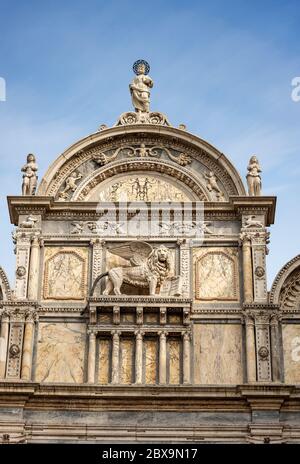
(149, 268)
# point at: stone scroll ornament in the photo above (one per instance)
(253, 177)
(149, 267)
(30, 177)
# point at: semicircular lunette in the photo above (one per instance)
(212, 171)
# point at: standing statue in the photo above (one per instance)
(140, 87)
(253, 177)
(30, 176)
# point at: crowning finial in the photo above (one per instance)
(140, 87)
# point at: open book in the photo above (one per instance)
(171, 286)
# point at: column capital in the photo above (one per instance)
(186, 335)
(92, 333)
(163, 333)
(4, 316)
(139, 334)
(116, 333)
(97, 241)
(31, 316)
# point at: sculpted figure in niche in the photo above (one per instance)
(30, 176)
(140, 87)
(251, 221)
(150, 267)
(70, 184)
(253, 177)
(212, 185)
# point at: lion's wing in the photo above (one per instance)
(135, 252)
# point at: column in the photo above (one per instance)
(275, 349)
(97, 260)
(186, 357)
(92, 357)
(163, 357)
(3, 343)
(250, 350)
(28, 347)
(139, 357)
(22, 265)
(115, 356)
(259, 269)
(34, 269)
(185, 267)
(247, 270)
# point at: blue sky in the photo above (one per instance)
(222, 68)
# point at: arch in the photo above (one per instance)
(5, 290)
(197, 155)
(118, 169)
(286, 286)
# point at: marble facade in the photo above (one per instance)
(194, 347)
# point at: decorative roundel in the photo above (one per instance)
(135, 66)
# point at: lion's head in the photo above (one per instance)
(159, 262)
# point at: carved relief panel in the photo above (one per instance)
(216, 274)
(15, 350)
(60, 352)
(291, 351)
(65, 276)
(151, 360)
(140, 187)
(174, 350)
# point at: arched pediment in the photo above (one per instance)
(161, 154)
(286, 287)
(5, 290)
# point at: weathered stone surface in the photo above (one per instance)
(65, 275)
(218, 354)
(60, 352)
(291, 350)
(216, 274)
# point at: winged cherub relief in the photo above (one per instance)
(150, 267)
